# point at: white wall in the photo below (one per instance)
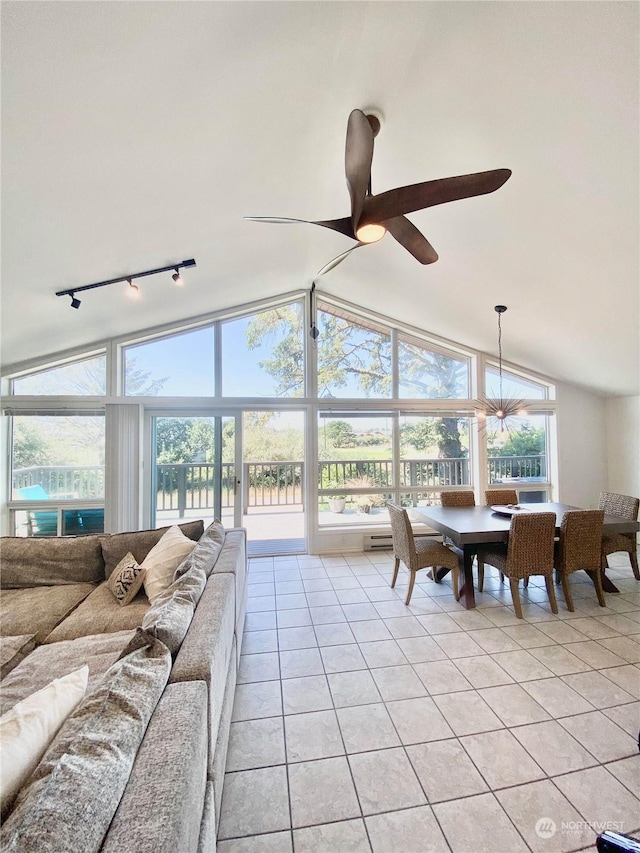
(623, 445)
(582, 446)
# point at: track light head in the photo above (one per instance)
(177, 278)
(75, 303)
(133, 291)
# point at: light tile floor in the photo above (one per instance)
(360, 724)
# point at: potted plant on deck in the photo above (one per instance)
(336, 502)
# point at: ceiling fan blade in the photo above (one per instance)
(403, 200)
(357, 161)
(407, 235)
(337, 260)
(342, 225)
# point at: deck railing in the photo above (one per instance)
(190, 485)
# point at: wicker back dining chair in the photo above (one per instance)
(419, 553)
(528, 552)
(466, 498)
(580, 547)
(500, 497)
(626, 507)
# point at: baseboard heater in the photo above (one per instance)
(384, 541)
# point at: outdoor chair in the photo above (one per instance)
(580, 547)
(418, 553)
(40, 523)
(623, 506)
(528, 552)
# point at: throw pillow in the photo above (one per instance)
(163, 559)
(126, 579)
(29, 727)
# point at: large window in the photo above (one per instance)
(355, 467)
(263, 354)
(238, 431)
(354, 356)
(513, 387)
(518, 457)
(424, 373)
(175, 366)
(434, 452)
(85, 377)
(58, 463)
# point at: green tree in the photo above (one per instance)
(281, 329)
(30, 445)
(350, 354)
(340, 434)
(527, 441)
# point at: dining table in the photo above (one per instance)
(469, 528)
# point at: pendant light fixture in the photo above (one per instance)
(500, 413)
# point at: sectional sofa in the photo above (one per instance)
(139, 765)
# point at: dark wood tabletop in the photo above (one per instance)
(469, 527)
(480, 524)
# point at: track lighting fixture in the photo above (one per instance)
(133, 291)
(133, 288)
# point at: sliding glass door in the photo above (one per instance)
(194, 469)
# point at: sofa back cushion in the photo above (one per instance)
(140, 542)
(47, 562)
(71, 798)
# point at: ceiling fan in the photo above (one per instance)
(373, 215)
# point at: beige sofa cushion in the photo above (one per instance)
(140, 542)
(69, 801)
(163, 559)
(13, 650)
(39, 609)
(162, 805)
(100, 613)
(56, 659)
(47, 562)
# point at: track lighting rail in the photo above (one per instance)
(75, 303)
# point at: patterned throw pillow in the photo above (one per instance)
(126, 579)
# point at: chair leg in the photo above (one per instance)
(566, 591)
(548, 582)
(396, 567)
(633, 556)
(480, 574)
(525, 582)
(515, 595)
(599, 590)
(501, 578)
(412, 580)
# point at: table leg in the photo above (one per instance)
(467, 596)
(607, 583)
(465, 560)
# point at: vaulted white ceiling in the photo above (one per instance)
(137, 134)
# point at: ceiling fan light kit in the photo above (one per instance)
(372, 216)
